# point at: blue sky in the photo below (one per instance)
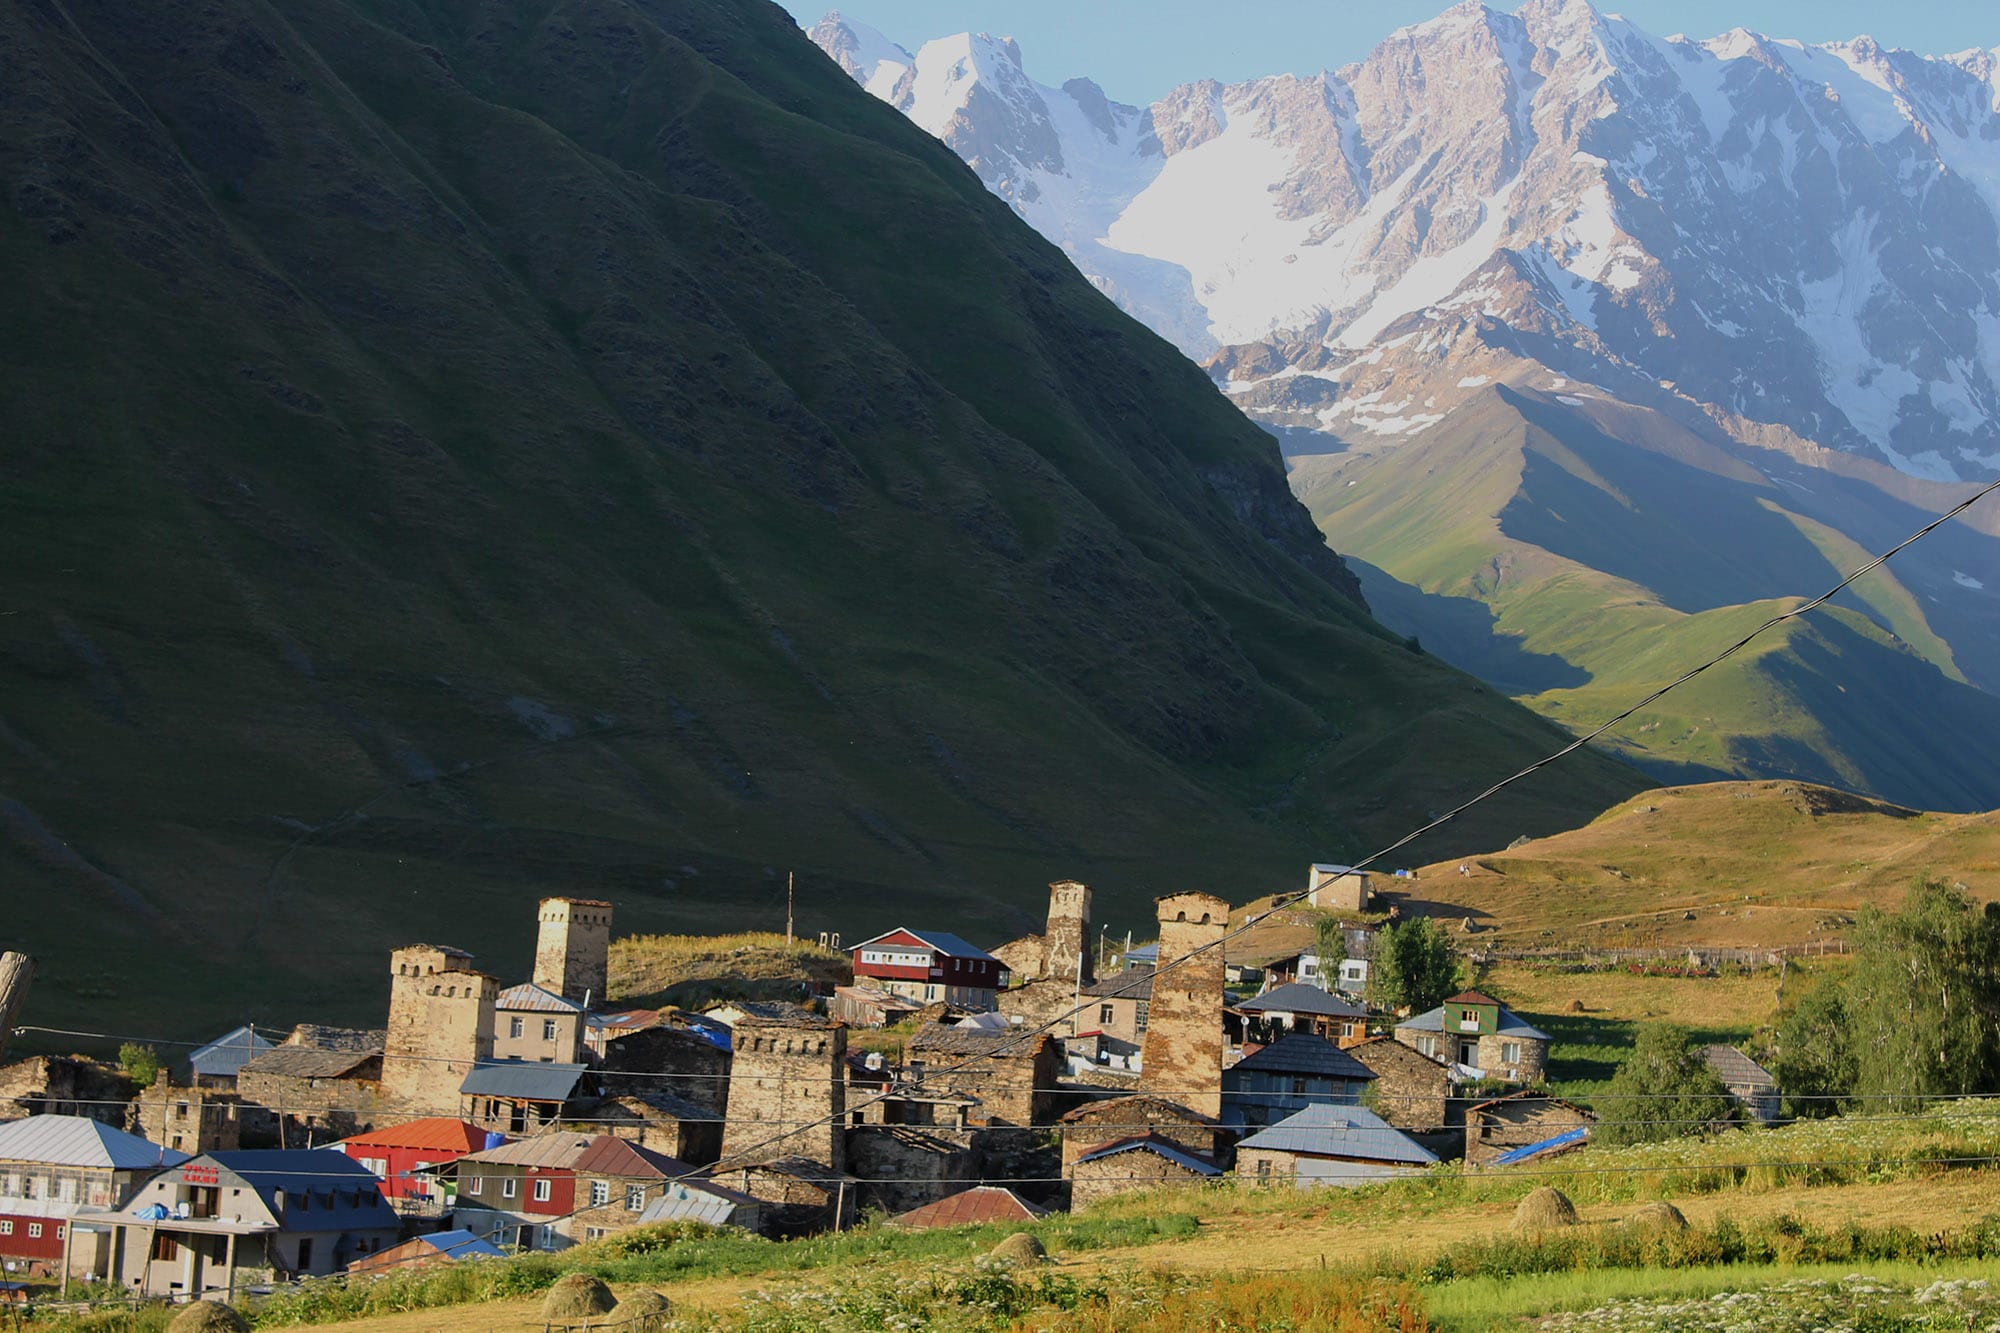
(1138, 49)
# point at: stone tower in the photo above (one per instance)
(1068, 932)
(573, 948)
(1182, 1057)
(440, 1025)
(787, 1091)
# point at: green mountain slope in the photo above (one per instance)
(1579, 554)
(464, 450)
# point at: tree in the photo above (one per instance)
(140, 1063)
(1664, 1090)
(1814, 1060)
(1413, 967)
(1330, 947)
(1914, 1017)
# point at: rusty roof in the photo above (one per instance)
(978, 1205)
(440, 1133)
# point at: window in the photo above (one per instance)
(378, 1165)
(595, 1233)
(180, 1110)
(508, 1186)
(600, 1193)
(1298, 1084)
(1510, 1052)
(31, 1187)
(34, 1231)
(1106, 1014)
(59, 1231)
(165, 1247)
(6, 1228)
(1264, 1169)
(472, 1184)
(548, 1029)
(516, 1027)
(1427, 1046)
(305, 1253)
(544, 1190)
(635, 1198)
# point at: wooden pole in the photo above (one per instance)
(788, 909)
(16, 971)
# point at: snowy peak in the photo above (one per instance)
(869, 58)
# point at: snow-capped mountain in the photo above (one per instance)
(1801, 243)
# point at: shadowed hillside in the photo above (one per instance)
(465, 451)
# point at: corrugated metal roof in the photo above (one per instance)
(1296, 997)
(1341, 1131)
(523, 1080)
(461, 1244)
(609, 1155)
(1304, 1053)
(529, 996)
(702, 1201)
(1508, 1024)
(1157, 1146)
(307, 1062)
(325, 1173)
(1471, 997)
(1569, 1138)
(74, 1140)
(943, 941)
(439, 1133)
(979, 1205)
(556, 1150)
(225, 1055)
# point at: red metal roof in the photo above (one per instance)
(1471, 997)
(438, 1132)
(611, 1156)
(981, 1203)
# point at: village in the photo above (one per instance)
(1046, 1074)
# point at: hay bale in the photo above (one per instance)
(1021, 1249)
(209, 1317)
(1543, 1209)
(644, 1311)
(1576, 1006)
(577, 1296)
(1662, 1215)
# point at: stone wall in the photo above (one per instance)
(189, 1120)
(573, 948)
(440, 1025)
(65, 1085)
(1123, 1173)
(1041, 1002)
(1184, 1043)
(1095, 1124)
(1530, 1068)
(787, 1091)
(900, 1167)
(1514, 1122)
(312, 1112)
(683, 1064)
(1411, 1090)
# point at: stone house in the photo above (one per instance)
(900, 1167)
(55, 1167)
(65, 1085)
(1042, 1003)
(1753, 1086)
(1296, 1071)
(530, 1023)
(1182, 1053)
(522, 1096)
(869, 1006)
(440, 1027)
(1335, 888)
(787, 1090)
(1064, 945)
(214, 1065)
(1330, 1145)
(573, 949)
(1479, 1032)
(929, 966)
(689, 1058)
(1097, 1123)
(1142, 1162)
(1411, 1090)
(798, 1195)
(657, 1119)
(220, 1221)
(1525, 1119)
(189, 1120)
(1012, 1075)
(560, 1188)
(313, 1096)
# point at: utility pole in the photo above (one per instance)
(788, 909)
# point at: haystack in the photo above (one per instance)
(1021, 1249)
(1663, 1215)
(644, 1311)
(1543, 1209)
(209, 1317)
(577, 1296)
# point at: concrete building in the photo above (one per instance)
(222, 1221)
(55, 1167)
(787, 1091)
(1064, 944)
(1333, 888)
(530, 1023)
(440, 1027)
(189, 1120)
(573, 948)
(1479, 1032)
(1330, 1145)
(1182, 1054)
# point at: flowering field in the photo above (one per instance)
(1852, 1304)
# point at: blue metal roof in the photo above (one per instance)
(462, 1245)
(228, 1053)
(1569, 1138)
(324, 1172)
(1341, 1131)
(1510, 1024)
(1158, 1147)
(523, 1080)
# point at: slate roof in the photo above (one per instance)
(523, 1080)
(1341, 1131)
(325, 1038)
(1507, 1024)
(966, 1040)
(529, 996)
(439, 1133)
(980, 1204)
(307, 1062)
(1738, 1070)
(74, 1140)
(1131, 984)
(1304, 1053)
(225, 1055)
(1296, 997)
(1157, 1109)
(1159, 1147)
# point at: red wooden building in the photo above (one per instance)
(929, 966)
(397, 1152)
